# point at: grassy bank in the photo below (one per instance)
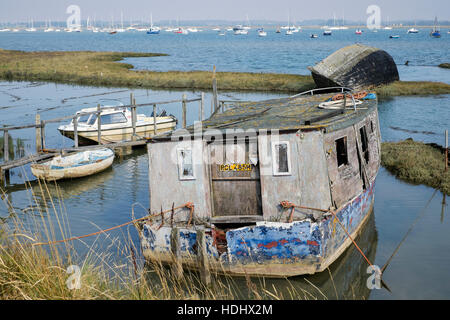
(103, 69)
(412, 88)
(416, 162)
(444, 65)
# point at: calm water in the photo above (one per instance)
(420, 268)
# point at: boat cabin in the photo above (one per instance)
(267, 180)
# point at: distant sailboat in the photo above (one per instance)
(436, 33)
(413, 30)
(153, 30)
(262, 33)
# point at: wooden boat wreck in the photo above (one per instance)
(270, 188)
(355, 66)
(80, 164)
(116, 125)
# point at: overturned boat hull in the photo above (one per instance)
(355, 66)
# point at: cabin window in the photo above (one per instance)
(92, 119)
(113, 118)
(84, 118)
(364, 143)
(280, 156)
(185, 164)
(341, 151)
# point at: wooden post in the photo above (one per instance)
(446, 150)
(133, 116)
(154, 119)
(202, 107)
(214, 85)
(99, 125)
(5, 146)
(43, 134)
(38, 133)
(176, 252)
(183, 106)
(75, 131)
(202, 257)
(5, 152)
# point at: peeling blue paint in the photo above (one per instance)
(266, 241)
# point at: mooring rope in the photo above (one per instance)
(188, 205)
(409, 230)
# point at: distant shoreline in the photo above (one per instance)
(103, 69)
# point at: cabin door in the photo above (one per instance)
(235, 179)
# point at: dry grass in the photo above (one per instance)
(35, 272)
(416, 162)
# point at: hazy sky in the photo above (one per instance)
(236, 10)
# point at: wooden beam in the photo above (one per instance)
(175, 248)
(202, 257)
(237, 219)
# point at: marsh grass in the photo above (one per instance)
(104, 69)
(412, 88)
(416, 162)
(28, 271)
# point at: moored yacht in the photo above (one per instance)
(116, 124)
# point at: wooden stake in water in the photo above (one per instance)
(99, 125)
(202, 107)
(154, 119)
(75, 131)
(214, 86)
(38, 134)
(183, 105)
(446, 150)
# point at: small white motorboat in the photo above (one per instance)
(262, 33)
(76, 165)
(116, 124)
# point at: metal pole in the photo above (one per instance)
(99, 125)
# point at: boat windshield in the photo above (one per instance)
(92, 119)
(112, 118)
(84, 118)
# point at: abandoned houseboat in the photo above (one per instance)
(268, 188)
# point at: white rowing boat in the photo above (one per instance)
(76, 165)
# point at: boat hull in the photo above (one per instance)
(117, 134)
(271, 249)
